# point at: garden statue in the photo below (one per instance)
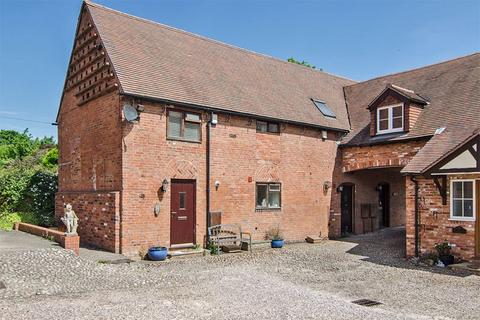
(70, 220)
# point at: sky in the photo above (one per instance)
(356, 39)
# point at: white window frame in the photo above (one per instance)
(463, 218)
(268, 185)
(390, 119)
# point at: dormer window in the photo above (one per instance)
(395, 109)
(390, 119)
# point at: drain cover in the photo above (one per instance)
(2, 285)
(366, 302)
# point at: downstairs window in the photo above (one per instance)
(268, 195)
(462, 202)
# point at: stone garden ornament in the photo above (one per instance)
(70, 220)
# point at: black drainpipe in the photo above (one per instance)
(417, 216)
(207, 190)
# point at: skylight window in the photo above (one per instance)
(324, 109)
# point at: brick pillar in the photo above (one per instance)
(71, 242)
(410, 216)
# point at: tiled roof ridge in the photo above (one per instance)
(400, 88)
(96, 5)
(415, 69)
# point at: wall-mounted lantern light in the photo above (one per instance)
(340, 188)
(217, 184)
(164, 185)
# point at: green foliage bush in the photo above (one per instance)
(28, 178)
(50, 158)
(8, 220)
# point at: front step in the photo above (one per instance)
(181, 246)
(176, 252)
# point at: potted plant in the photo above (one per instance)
(275, 235)
(157, 253)
(444, 253)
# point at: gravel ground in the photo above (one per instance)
(301, 281)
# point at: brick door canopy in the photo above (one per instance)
(182, 212)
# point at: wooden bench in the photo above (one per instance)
(229, 238)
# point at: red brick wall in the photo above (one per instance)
(148, 158)
(387, 161)
(98, 216)
(298, 158)
(365, 183)
(435, 223)
(381, 155)
(71, 242)
(90, 149)
(89, 138)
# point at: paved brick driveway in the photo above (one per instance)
(299, 282)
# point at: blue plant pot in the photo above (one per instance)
(157, 253)
(277, 243)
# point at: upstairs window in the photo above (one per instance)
(271, 127)
(462, 204)
(268, 196)
(184, 126)
(390, 119)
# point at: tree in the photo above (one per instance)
(28, 178)
(302, 63)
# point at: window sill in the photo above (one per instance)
(268, 209)
(379, 133)
(183, 140)
(460, 219)
(270, 133)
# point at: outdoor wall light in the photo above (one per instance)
(217, 184)
(164, 185)
(339, 188)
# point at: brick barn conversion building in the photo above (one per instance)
(163, 133)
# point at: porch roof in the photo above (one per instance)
(438, 148)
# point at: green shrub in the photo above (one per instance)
(50, 158)
(15, 145)
(13, 183)
(28, 179)
(39, 197)
(7, 220)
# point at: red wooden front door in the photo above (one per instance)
(182, 212)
